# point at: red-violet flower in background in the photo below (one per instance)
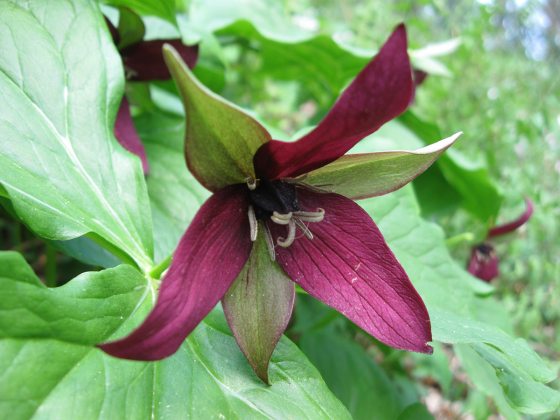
(283, 213)
(484, 262)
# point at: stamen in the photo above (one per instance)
(269, 242)
(281, 219)
(285, 243)
(310, 216)
(251, 183)
(303, 228)
(253, 224)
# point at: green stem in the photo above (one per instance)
(161, 267)
(462, 237)
(50, 266)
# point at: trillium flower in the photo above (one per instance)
(282, 213)
(143, 61)
(484, 262)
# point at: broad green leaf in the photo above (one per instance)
(523, 393)
(353, 376)
(367, 175)
(51, 331)
(483, 376)
(69, 313)
(453, 329)
(220, 139)
(61, 83)
(258, 306)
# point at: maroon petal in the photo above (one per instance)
(144, 61)
(382, 91)
(484, 262)
(209, 257)
(515, 224)
(348, 266)
(125, 132)
(419, 76)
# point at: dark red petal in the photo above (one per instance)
(382, 91)
(348, 266)
(419, 76)
(144, 61)
(484, 262)
(515, 224)
(125, 132)
(209, 257)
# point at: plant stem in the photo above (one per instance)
(457, 239)
(161, 267)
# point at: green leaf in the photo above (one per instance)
(221, 139)
(525, 394)
(51, 331)
(69, 313)
(162, 8)
(258, 306)
(367, 175)
(483, 376)
(469, 179)
(452, 328)
(61, 82)
(353, 376)
(131, 28)
(415, 411)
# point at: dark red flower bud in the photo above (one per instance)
(484, 262)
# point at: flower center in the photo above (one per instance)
(485, 252)
(277, 201)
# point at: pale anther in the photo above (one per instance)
(285, 243)
(281, 219)
(253, 224)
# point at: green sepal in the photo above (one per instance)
(258, 307)
(366, 175)
(220, 139)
